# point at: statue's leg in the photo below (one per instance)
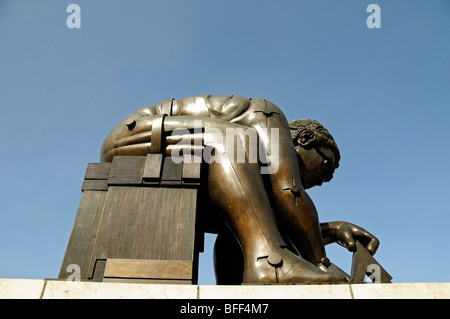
(228, 258)
(237, 190)
(294, 208)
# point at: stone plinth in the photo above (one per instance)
(58, 289)
(21, 288)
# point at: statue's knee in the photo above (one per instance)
(287, 187)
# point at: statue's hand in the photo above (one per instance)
(347, 234)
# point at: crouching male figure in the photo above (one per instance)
(265, 208)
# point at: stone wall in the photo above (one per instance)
(57, 289)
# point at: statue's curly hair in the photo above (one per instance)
(321, 135)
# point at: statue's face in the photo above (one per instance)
(318, 166)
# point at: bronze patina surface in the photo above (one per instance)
(271, 231)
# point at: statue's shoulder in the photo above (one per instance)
(221, 106)
(226, 107)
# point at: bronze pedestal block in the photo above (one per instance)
(137, 222)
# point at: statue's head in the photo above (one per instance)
(318, 153)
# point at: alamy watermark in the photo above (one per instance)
(373, 271)
(233, 144)
(74, 19)
(374, 19)
(75, 271)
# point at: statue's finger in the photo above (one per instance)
(185, 139)
(373, 246)
(130, 150)
(346, 237)
(144, 137)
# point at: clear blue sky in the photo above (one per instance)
(383, 93)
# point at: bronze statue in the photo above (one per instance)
(265, 207)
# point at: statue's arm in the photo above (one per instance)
(347, 234)
(134, 135)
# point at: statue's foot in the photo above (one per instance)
(287, 268)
